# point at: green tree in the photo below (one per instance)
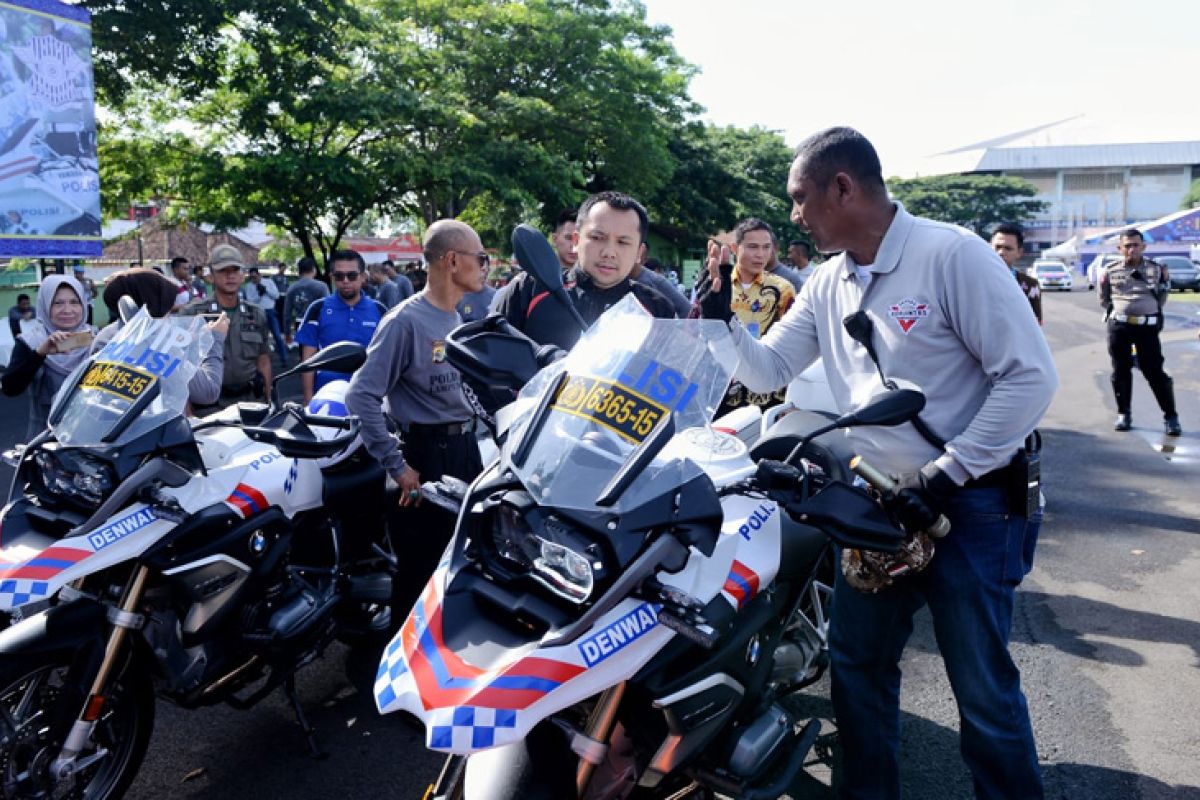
(723, 175)
(978, 202)
(1192, 198)
(405, 107)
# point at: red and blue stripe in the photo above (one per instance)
(46, 564)
(741, 584)
(247, 500)
(446, 681)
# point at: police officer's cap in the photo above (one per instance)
(224, 256)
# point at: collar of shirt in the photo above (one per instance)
(737, 276)
(890, 248)
(584, 282)
(338, 303)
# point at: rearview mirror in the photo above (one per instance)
(537, 257)
(886, 410)
(337, 357)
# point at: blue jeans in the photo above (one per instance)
(969, 587)
(277, 332)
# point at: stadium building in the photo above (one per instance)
(1094, 180)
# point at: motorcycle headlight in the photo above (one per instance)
(554, 555)
(76, 476)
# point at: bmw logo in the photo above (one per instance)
(258, 543)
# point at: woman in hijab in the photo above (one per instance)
(157, 293)
(45, 355)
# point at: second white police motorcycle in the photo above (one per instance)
(630, 594)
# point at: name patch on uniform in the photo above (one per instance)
(619, 635)
(908, 312)
(611, 405)
(116, 531)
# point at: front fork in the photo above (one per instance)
(124, 618)
(593, 744)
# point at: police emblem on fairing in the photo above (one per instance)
(908, 312)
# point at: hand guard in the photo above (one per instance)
(868, 571)
(718, 304)
(920, 498)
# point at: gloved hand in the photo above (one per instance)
(716, 303)
(920, 498)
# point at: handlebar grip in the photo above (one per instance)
(320, 420)
(887, 487)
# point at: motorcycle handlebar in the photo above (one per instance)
(888, 488)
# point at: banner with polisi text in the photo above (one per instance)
(49, 172)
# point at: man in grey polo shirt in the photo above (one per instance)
(941, 311)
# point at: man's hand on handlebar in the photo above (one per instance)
(921, 497)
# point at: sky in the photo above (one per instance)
(925, 76)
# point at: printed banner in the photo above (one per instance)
(49, 173)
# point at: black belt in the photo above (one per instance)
(1000, 477)
(440, 429)
(997, 478)
(242, 390)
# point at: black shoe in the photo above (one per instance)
(1171, 424)
(1123, 423)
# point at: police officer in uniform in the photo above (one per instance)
(1133, 292)
(407, 380)
(247, 372)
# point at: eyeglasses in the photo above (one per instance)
(345, 276)
(483, 258)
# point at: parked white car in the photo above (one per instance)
(1052, 275)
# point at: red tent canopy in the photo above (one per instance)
(399, 249)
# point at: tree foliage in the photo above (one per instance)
(1192, 198)
(978, 202)
(308, 114)
(721, 176)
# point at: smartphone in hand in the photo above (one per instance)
(74, 342)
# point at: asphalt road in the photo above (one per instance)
(1107, 632)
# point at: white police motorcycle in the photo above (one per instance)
(630, 594)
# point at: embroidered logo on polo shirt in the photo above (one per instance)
(439, 350)
(908, 312)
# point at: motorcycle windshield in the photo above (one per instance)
(135, 383)
(627, 373)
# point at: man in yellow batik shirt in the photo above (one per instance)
(759, 300)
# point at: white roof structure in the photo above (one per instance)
(1073, 143)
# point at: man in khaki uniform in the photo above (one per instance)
(247, 374)
(1132, 292)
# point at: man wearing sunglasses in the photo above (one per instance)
(347, 315)
(912, 300)
(407, 379)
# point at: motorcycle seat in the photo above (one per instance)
(829, 451)
(800, 546)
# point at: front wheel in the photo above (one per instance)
(32, 693)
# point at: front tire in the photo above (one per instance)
(32, 692)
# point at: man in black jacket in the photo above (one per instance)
(609, 239)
